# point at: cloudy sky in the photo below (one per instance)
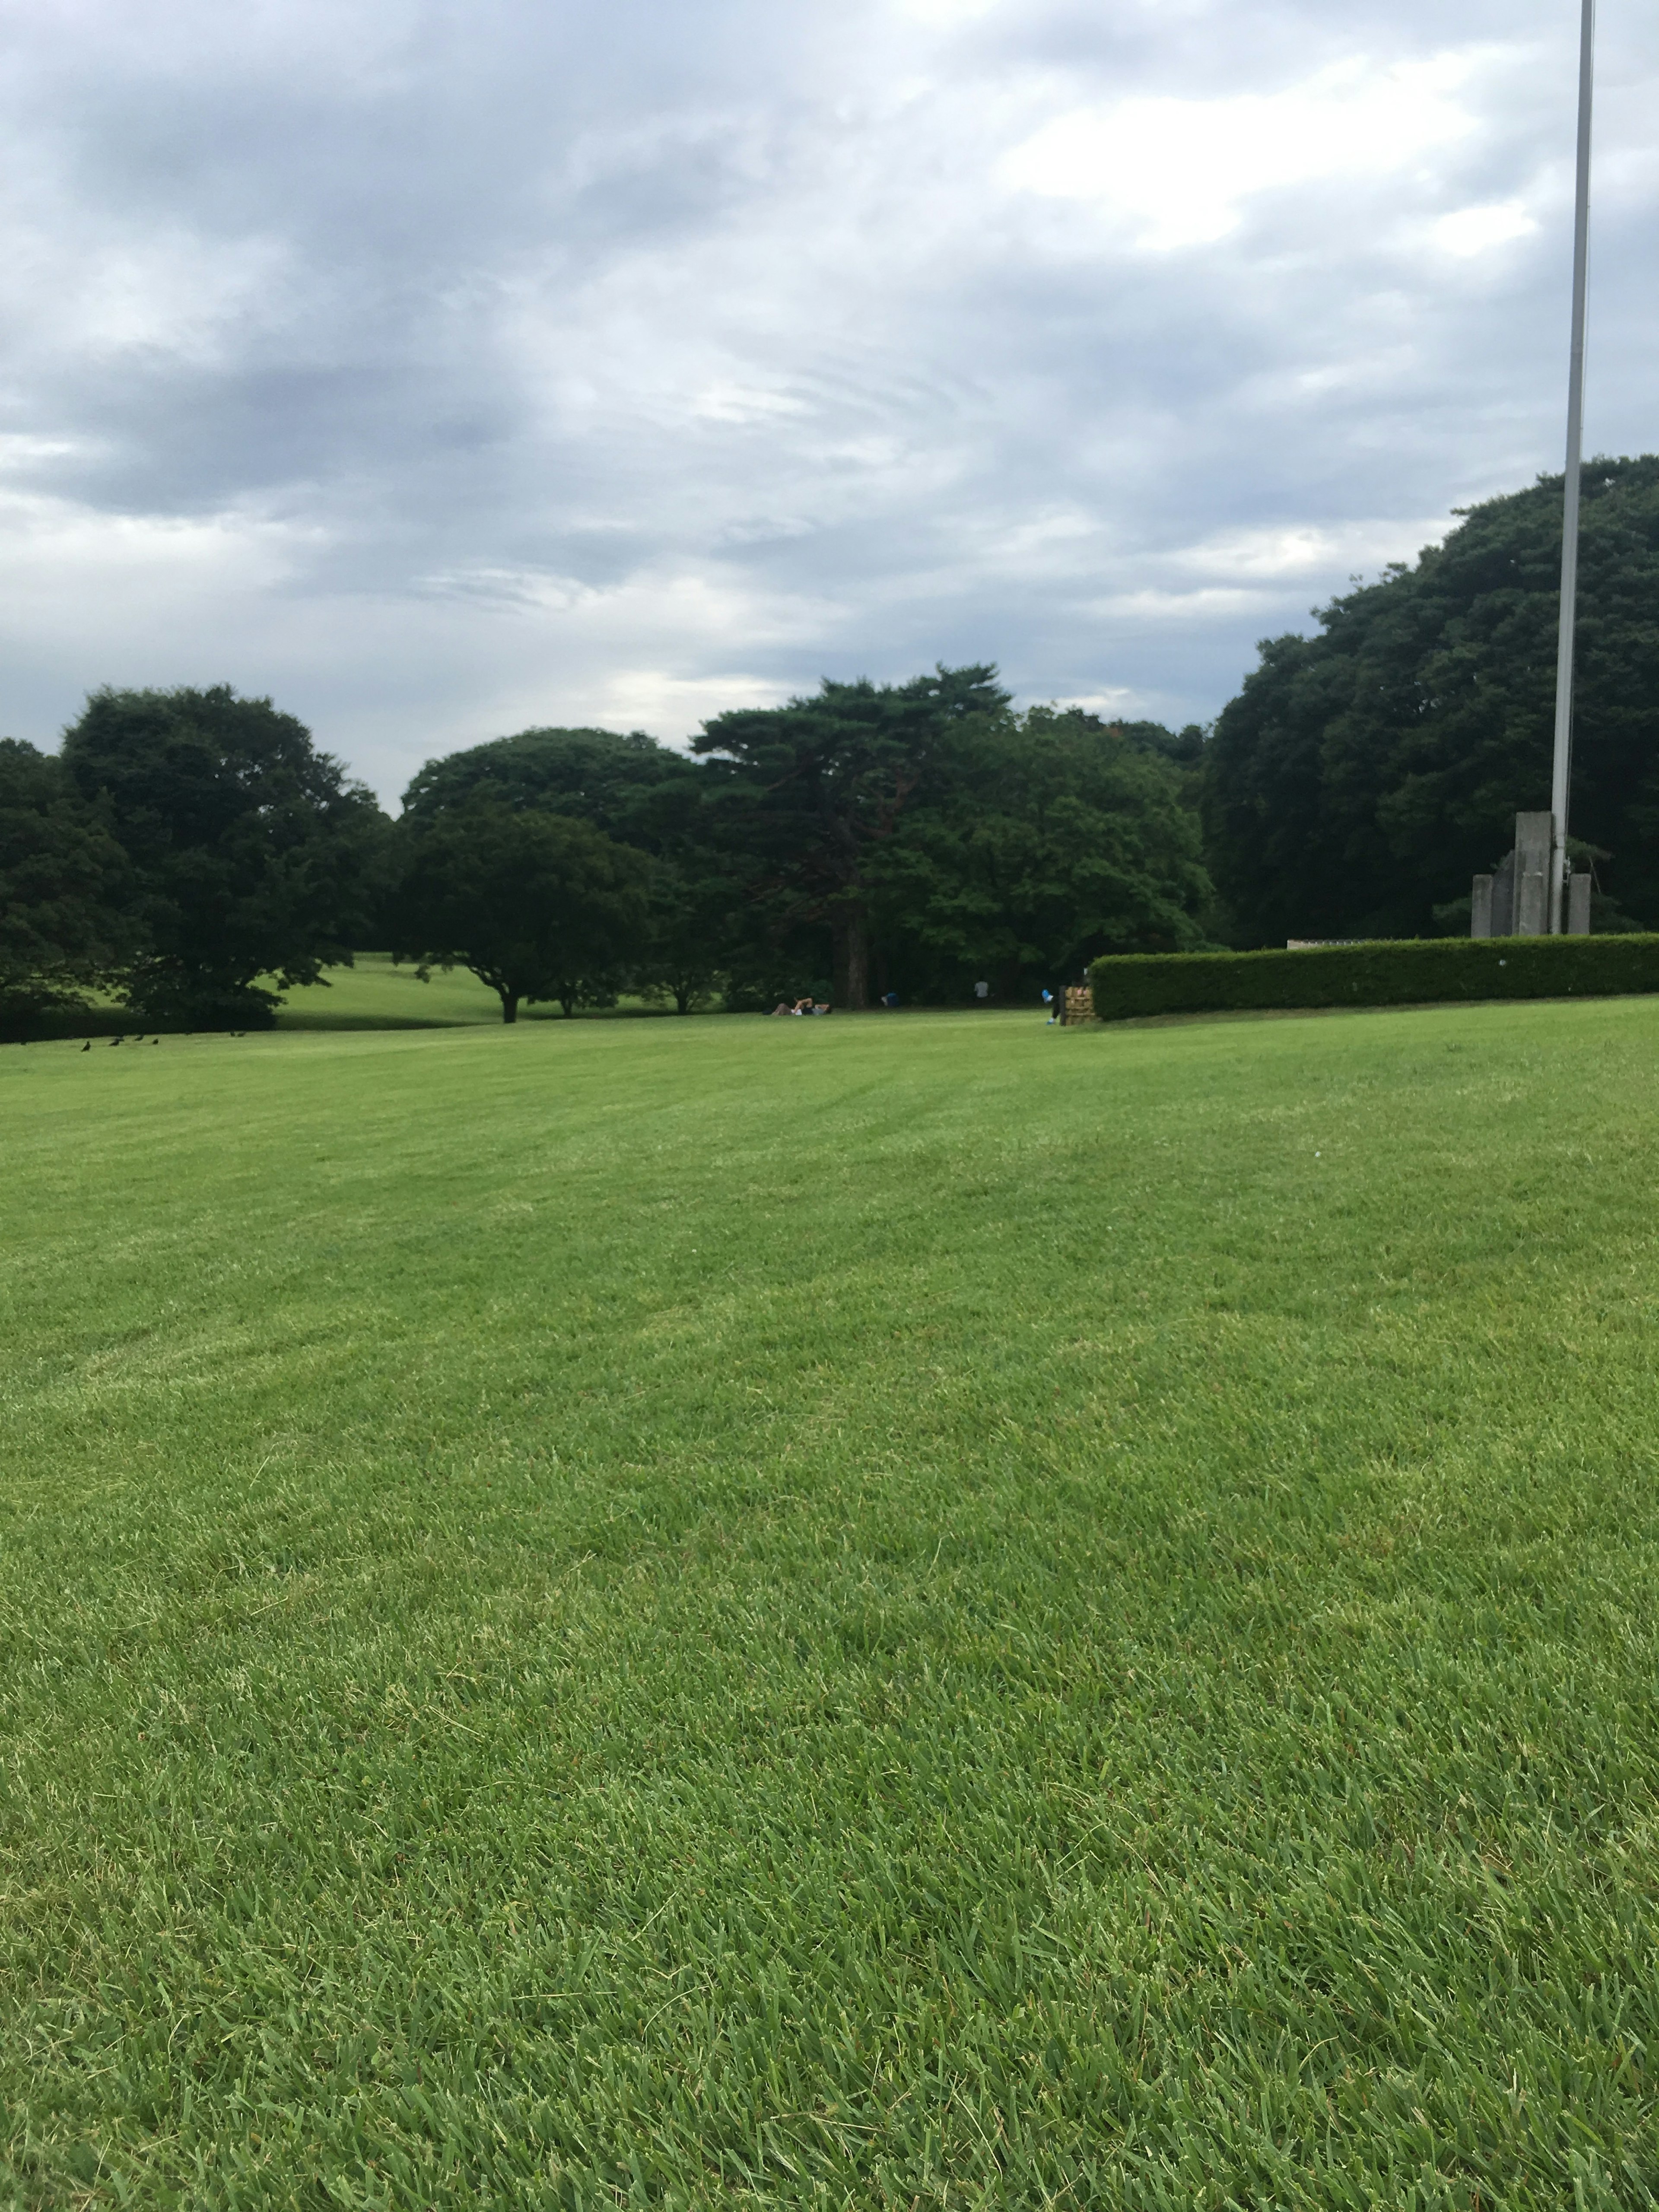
(443, 369)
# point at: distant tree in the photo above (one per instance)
(1362, 775)
(251, 850)
(1040, 842)
(686, 948)
(818, 789)
(67, 923)
(615, 782)
(537, 905)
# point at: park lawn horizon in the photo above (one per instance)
(910, 1612)
(377, 992)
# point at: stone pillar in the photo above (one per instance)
(1535, 847)
(1578, 892)
(1480, 907)
(1502, 897)
(1532, 910)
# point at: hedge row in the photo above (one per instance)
(1401, 972)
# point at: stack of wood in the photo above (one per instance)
(1079, 1003)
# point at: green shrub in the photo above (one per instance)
(1411, 971)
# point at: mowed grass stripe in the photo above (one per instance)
(912, 1611)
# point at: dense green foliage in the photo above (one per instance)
(823, 787)
(1362, 776)
(1397, 972)
(907, 838)
(538, 905)
(1097, 1652)
(870, 838)
(629, 787)
(636, 794)
(66, 892)
(251, 851)
(1040, 843)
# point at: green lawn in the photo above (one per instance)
(912, 1612)
(374, 995)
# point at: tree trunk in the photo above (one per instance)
(509, 1004)
(682, 999)
(851, 939)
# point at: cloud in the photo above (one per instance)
(441, 370)
(1178, 173)
(1474, 230)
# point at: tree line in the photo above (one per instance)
(196, 852)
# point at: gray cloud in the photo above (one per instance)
(442, 369)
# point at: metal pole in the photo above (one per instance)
(1561, 779)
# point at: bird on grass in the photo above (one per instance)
(87, 1047)
(120, 1040)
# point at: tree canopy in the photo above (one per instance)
(820, 788)
(865, 836)
(67, 922)
(1362, 775)
(1038, 842)
(538, 905)
(251, 850)
(625, 784)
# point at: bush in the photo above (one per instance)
(1410, 971)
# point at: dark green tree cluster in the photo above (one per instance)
(67, 892)
(189, 850)
(868, 838)
(1363, 775)
(194, 853)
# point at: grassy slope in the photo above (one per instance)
(375, 994)
(372, 993)
(911, 1611)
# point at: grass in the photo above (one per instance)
(915, 1613)
(375, 994)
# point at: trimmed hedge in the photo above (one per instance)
(1405, 971)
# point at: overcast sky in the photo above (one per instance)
(440, 370)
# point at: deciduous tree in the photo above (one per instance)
(67, 922)
(538, 905)
(1040, 842)
(1362, 775)
(820, 787)
(250, 848)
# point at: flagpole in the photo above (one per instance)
(1562, 776)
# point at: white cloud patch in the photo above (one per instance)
(1474, 230)
(1180, 172)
